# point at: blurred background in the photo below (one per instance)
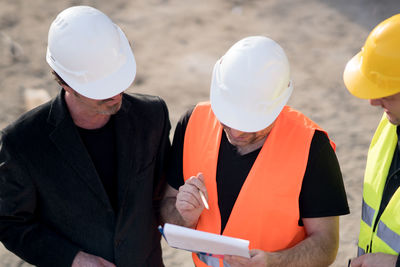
(176, 44)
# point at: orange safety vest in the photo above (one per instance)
(266, 211)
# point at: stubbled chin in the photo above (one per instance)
(111, 110)
(233, 141)
(392, 119)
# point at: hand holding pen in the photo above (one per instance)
(189, 201)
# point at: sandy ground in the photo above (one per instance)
(176, 44)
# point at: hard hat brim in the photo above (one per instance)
(232, 116)
(109, 86)
(359, 85)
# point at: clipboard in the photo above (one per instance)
(204, 243)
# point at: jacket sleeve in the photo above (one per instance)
(21, 231)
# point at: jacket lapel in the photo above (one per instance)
(67, 140)
(125, 142)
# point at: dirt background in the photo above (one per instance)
(176, 44)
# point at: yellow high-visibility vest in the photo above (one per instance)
(386, 237)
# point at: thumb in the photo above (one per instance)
(203, 188)
(200, 176)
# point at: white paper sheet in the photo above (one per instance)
(199, 241)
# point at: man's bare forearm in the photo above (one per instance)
(319, 248)
(308, 253)
(316, 250)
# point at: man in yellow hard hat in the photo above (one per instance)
(78, 174)
(270, 174)
(374, 74)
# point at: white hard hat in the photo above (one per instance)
(250, 84)
(90, 53)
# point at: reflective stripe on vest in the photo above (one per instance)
(212, 261)
(250, 219)
(367, 214)
(386, 237)
(360, 252)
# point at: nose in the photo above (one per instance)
(375, 102)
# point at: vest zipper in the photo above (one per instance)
(369, 247)
(380, 204)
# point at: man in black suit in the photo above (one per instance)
(79, 174)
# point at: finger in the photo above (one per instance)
(191, 190)
(187, 200)
(228, 259)
(199, 184)
(200, 178)
(356, 262)
(190, 185)
(253, 252)
(236, 259)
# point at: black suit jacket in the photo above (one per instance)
(52, 202)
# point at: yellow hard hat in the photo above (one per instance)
(375, 71)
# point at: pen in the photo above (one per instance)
(203, 198)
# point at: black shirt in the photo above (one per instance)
(322, 193)
(100, 144)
